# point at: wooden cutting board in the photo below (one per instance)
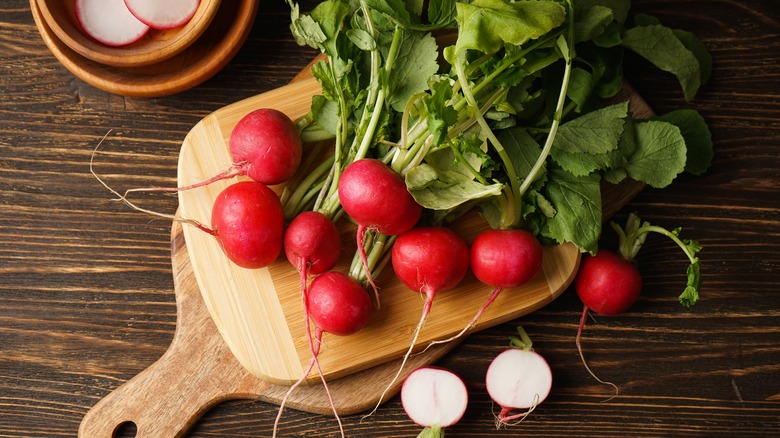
(258, 312)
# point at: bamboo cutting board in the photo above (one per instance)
(258, 312)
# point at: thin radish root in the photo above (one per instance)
(585, 312)
(504, 419)
(130, 204)
(493, 295)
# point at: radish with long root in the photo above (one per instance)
(518, 379)
(248, 222)
(264, 145)
(313, 246)
(428, 260)
(501, 258)
(609, 283)
(434, 398)
(336, 304)
(376, 198)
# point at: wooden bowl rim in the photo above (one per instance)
(156, 46)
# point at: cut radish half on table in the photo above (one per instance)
(518, 379)
(434, 397)
(163, 14)
(109, 22)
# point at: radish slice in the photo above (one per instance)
(518, 379)
(109, 22)
(163, 14)
(434, 397)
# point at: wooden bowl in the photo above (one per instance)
(156, 46)
(197, 63)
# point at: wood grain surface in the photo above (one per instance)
(87, 288)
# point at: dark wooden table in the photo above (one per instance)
(86, 291)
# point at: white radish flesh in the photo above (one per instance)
(109, 22)
(163, 14)
(434, 397)
(518, 379)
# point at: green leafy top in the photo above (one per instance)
(515, 122)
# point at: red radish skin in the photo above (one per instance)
(265, 146)
(518, 380)
(109, 22)
(163, 15)
(506, 258)
(607, 284)
(336, 304)
(248, 222)
(434, 398)
(376, 198)
(502, 258)
(428, 260)
(312, 243)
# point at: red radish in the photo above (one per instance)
(502, 258)
(339, 305)
(518, 379)
(428, 260)
(609, 283)
(434, 398)
(264, 145)
(248, 222)
(376, 198)
(109, 22)
(163, 15)
(312, 243)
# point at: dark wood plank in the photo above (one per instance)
(87, 291)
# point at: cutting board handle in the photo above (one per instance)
(197, 372)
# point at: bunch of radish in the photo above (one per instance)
(609, 283)
(121, 22)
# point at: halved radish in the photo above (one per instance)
(518, 379)
(434, 398)
(109, 22)
(163, 14)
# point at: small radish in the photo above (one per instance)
(428, 260)
(336, 304)
(434, 398)
(163, 15)
(312, 243)
(109, 22)
(264, 145)
(518, 379)
(376, 198)
(248, 222)
(502, 258)
(609, 283)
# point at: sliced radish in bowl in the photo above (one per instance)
(109, 22)
(163, 14)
